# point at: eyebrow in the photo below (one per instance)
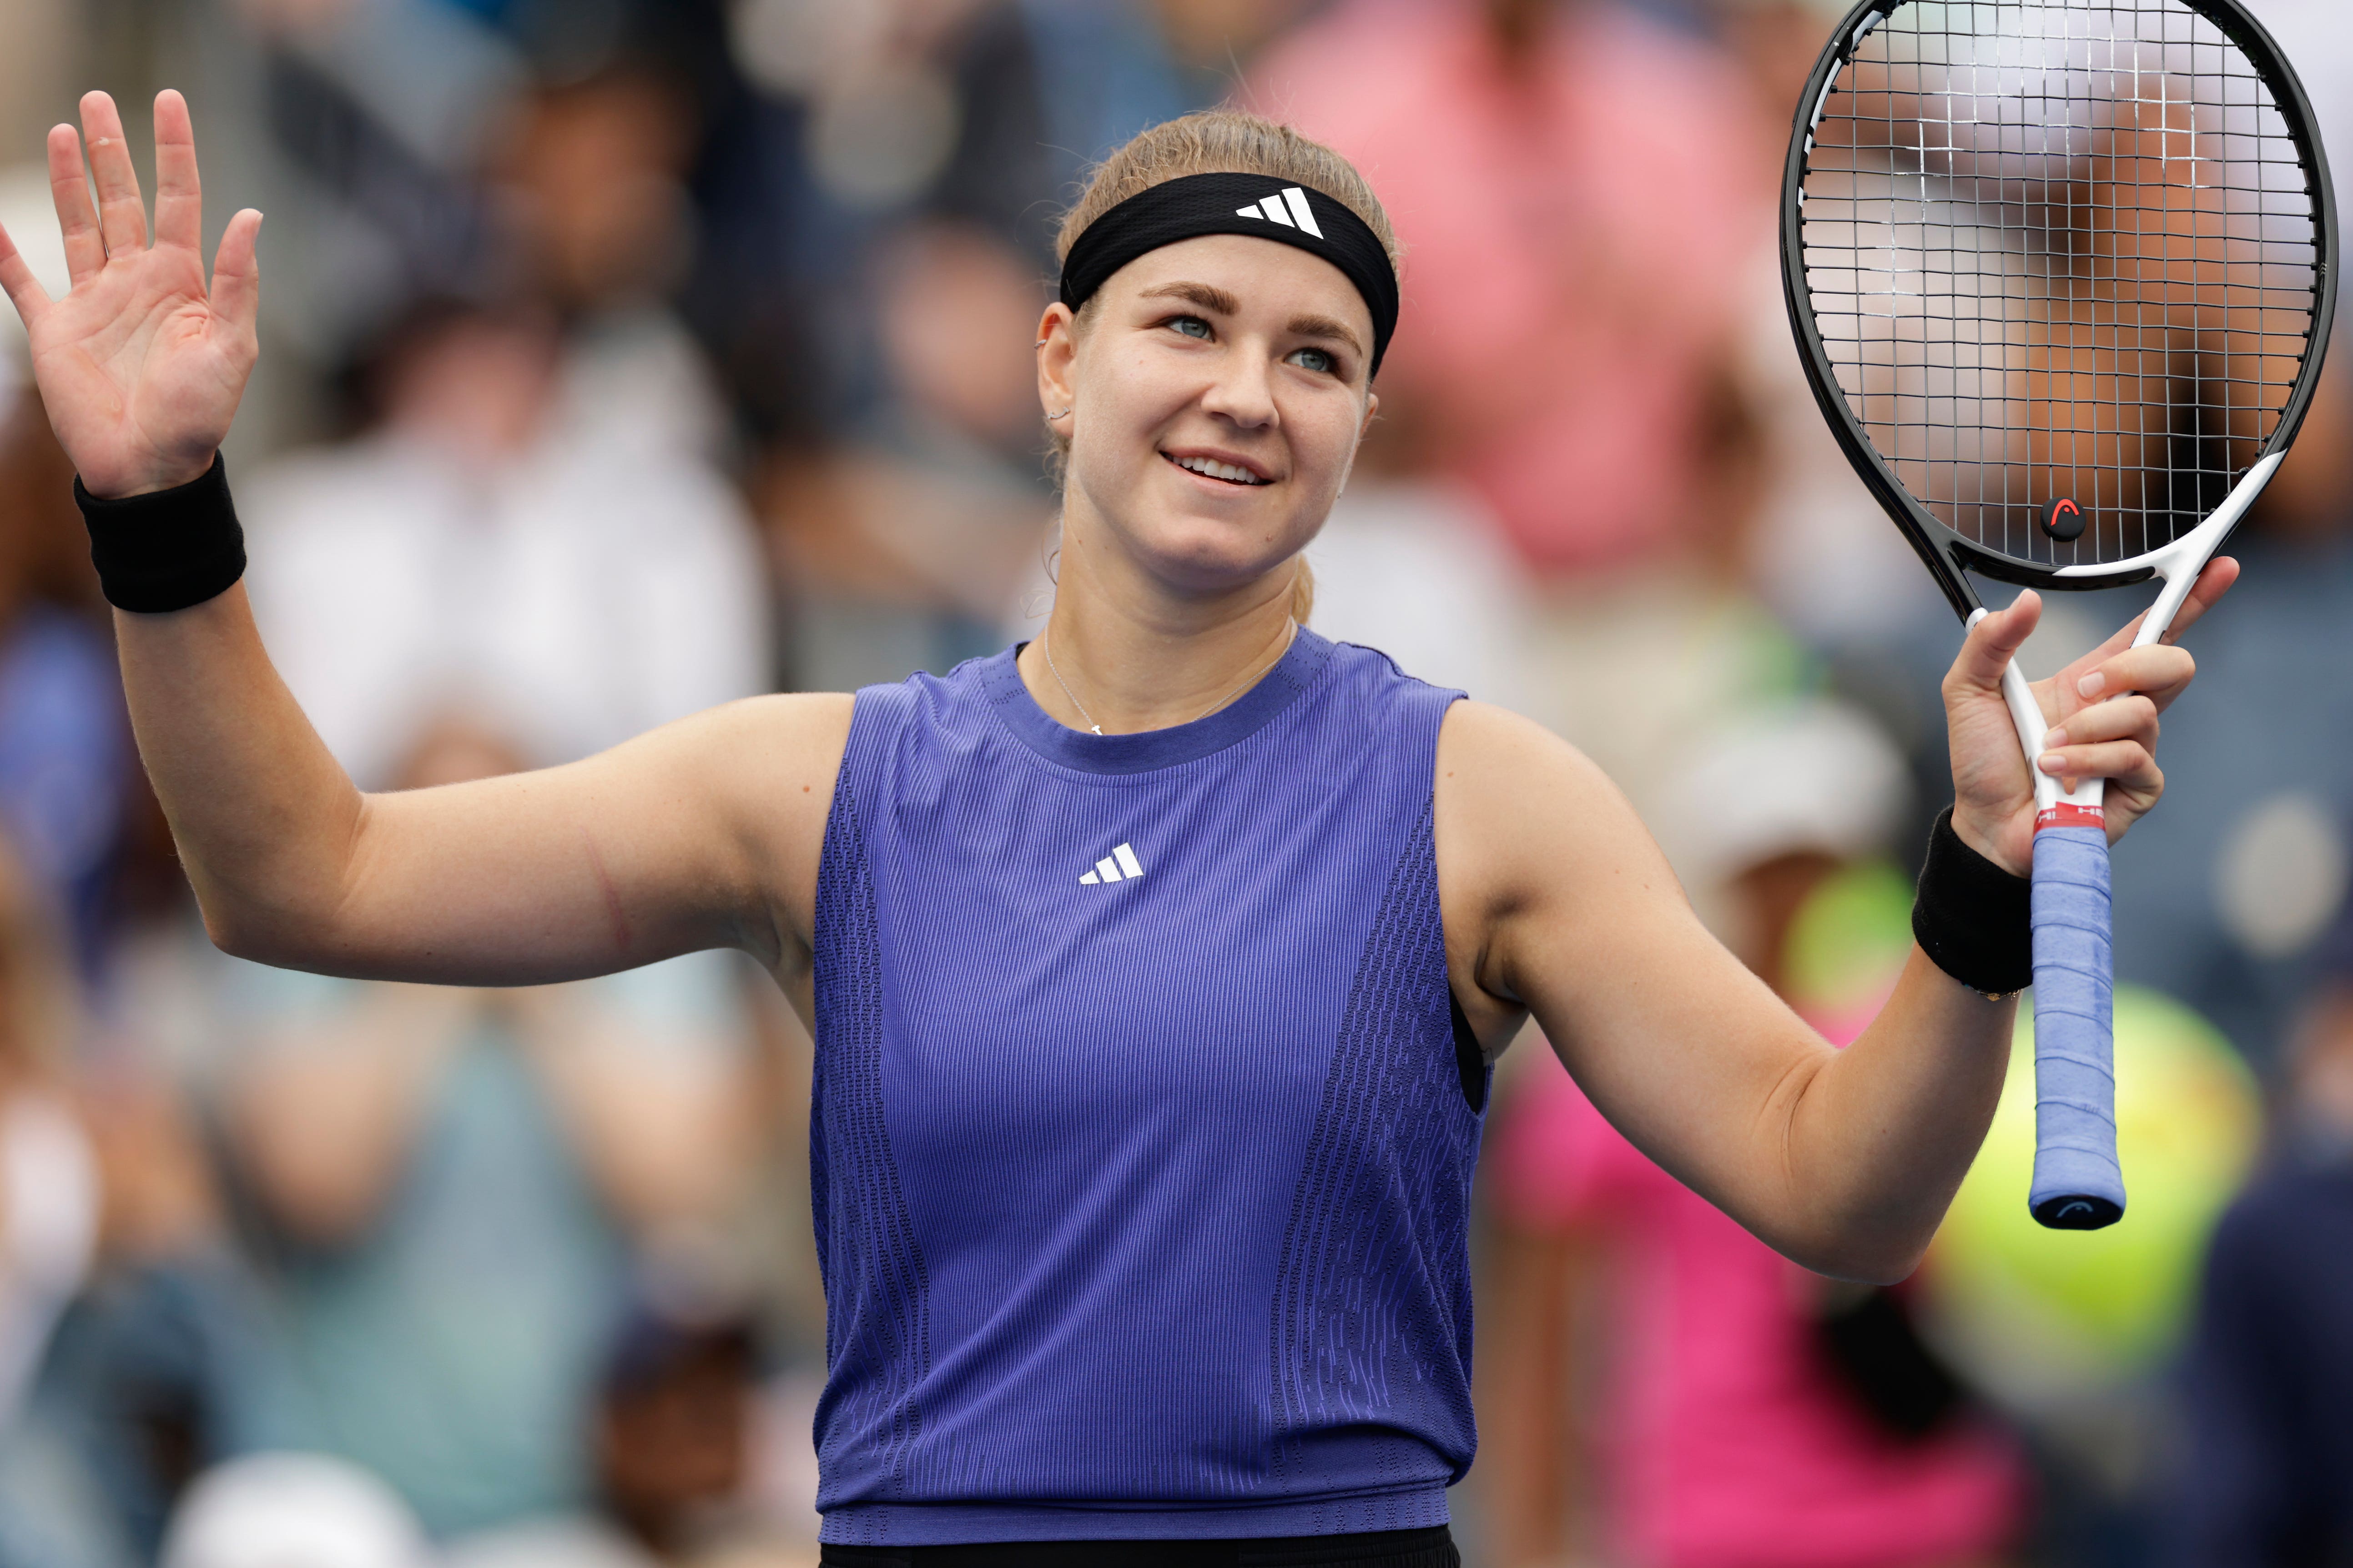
(1207, 296)
(1211, 298)
(1325, 327)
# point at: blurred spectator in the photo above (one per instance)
(50, 1209)
(1412, 563)
(901, 549)
(674, 1423)
(66, 762)
(1821, 553)
(1751, 1413)
(590, 188)
(528, 558)
(481, 554)
(2268, 1388)
(167, 1364)
(44, 53)
(451, 1181)
(1566, 321)
(49, 1174)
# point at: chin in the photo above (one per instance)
(1205, 555)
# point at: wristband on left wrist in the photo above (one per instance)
(167, 550)
(1972, 918)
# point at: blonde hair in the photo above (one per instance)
(1220, 141)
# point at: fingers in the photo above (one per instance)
(121, 215)
(77, 219)
(2157, 672)
(2125, 763)
(25, 290)
(237, 272)
(1994, 641)
(2123, 719)
(2212, 584)
(179, 194)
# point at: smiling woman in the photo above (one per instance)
(1221, 142)
(1153, 966)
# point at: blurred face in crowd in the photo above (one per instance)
(591, 181)
(478, 386)
(1218, 388)
(954, 304)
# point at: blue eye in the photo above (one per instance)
(1316, 359)
(1191, 326)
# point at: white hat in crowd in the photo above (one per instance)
(293, 1511)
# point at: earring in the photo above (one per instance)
(1057, 414)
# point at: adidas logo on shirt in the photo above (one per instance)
(1289, 209)
(1120, 866)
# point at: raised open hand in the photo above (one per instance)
(141, 366)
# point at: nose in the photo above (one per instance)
(1243, 393)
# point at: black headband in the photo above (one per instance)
(1257, 204)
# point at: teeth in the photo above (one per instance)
(1232, 472)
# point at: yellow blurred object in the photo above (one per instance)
(2036, 1316)
(1849, 941)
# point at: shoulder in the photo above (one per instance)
(1524, 819)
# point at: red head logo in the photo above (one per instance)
(2062, 520)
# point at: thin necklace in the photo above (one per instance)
(1046, 647)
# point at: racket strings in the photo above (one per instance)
(2056, 251)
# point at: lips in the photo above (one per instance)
(1216, 468)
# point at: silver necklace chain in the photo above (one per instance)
(1046, 647)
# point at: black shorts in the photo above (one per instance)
(1432, 1548)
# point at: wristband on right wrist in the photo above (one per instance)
(1972, 918)
(168, 549)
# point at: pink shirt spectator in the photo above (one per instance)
(1732, 1446)
(1565, 303)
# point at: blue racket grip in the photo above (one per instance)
(2078, 1185)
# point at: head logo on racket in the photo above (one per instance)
(2062, 520)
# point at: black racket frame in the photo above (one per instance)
(1949, 556)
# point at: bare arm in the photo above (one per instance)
(1559, 902)
(702, 834)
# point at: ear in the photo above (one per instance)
(1372, 411)
(1058, 354)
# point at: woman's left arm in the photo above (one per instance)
(1557, 900)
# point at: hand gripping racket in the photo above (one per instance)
(2062, 273)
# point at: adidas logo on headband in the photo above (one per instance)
(1298, 216)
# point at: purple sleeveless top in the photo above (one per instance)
(1144, 1130)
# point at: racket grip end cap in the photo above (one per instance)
(2078, 1211)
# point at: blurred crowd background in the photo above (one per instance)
(621, 357)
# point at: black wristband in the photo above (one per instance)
(168, 549)
(1972, 918)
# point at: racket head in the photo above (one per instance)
(2061, 274)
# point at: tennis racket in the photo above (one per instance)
(2062, 273)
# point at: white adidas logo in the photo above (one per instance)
(1272, 208)
(1120, 866)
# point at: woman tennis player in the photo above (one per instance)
(1152, 966)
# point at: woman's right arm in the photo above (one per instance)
(704, 833)
(701, 834)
